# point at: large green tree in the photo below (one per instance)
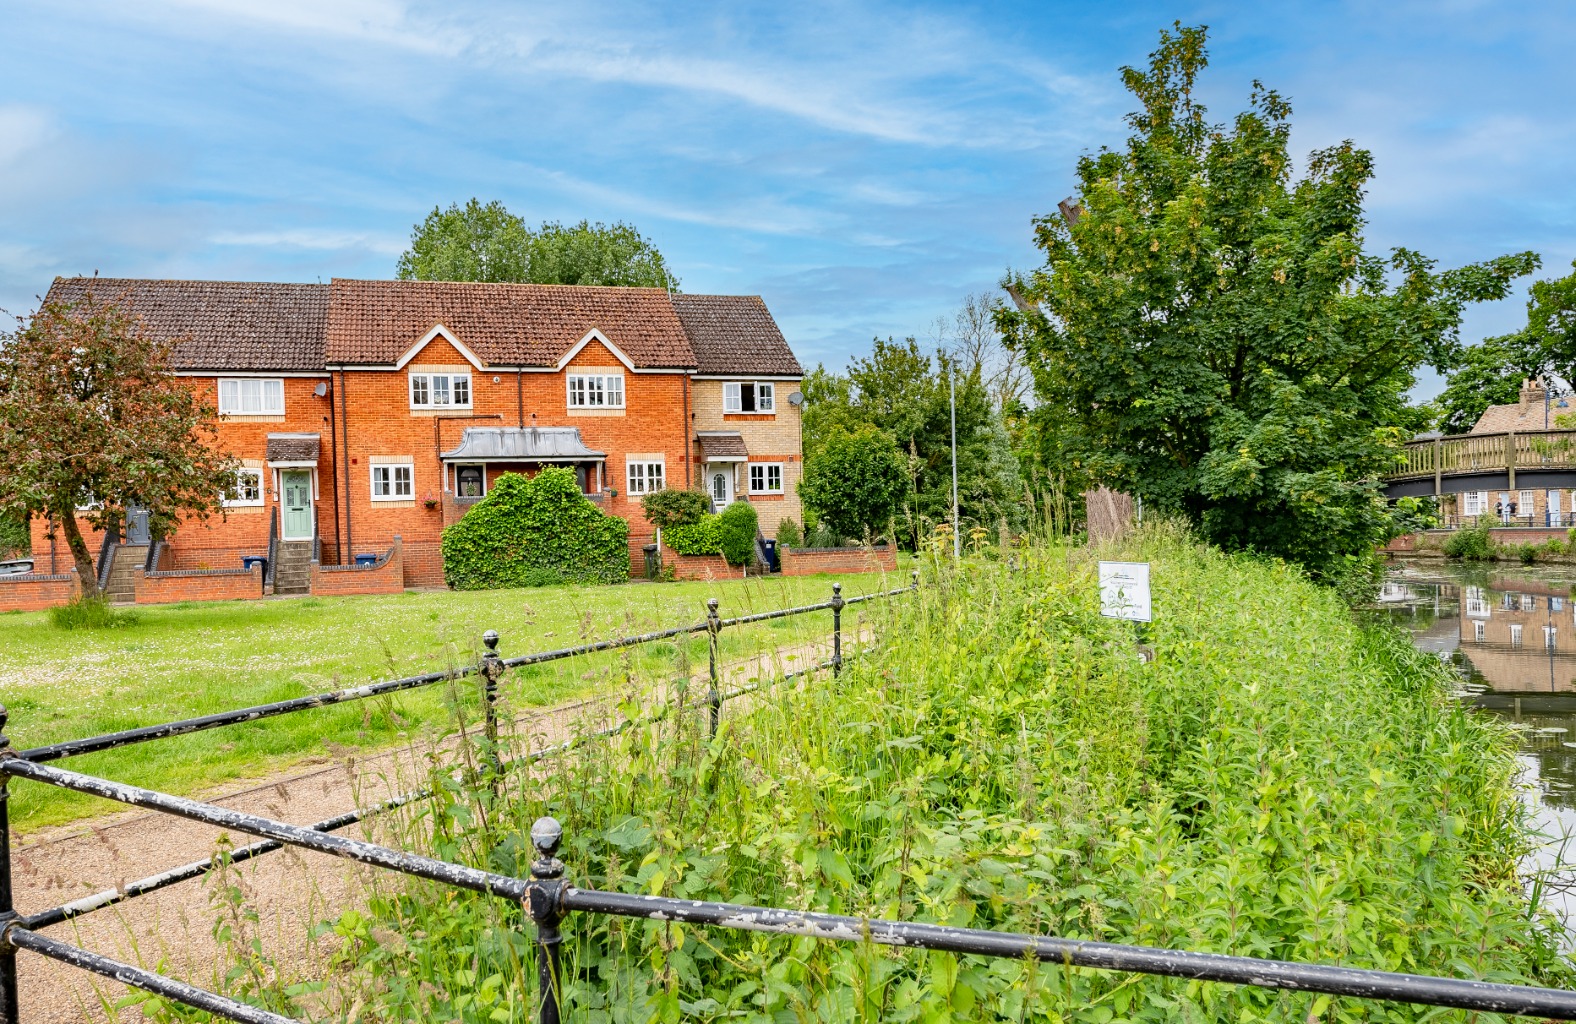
(1211, 317)
(906, 394)
(1489, 373)
(856, 482)
(92, 422)
(485, 242)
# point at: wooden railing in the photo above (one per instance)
(1488, 453)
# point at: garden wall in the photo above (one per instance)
(698, 567)
(35, 592)
(198, 585)
(387, 576)
(809, 561)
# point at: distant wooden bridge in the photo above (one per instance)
(1529, 459)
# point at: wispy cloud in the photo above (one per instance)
(314, 238)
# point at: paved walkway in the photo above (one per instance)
(290, 890)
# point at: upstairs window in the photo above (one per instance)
(749, 397)
(440, 391)
(251, 396)
(596, 391)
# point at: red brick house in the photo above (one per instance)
(362, 411)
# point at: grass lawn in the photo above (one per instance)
(178, 661)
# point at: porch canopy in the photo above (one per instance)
(722, 446)
(527, 444)
(293, 451)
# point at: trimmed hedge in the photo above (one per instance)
(669, 508)
(702, 538)
(730, 534)
(531, 533)
(738, 524)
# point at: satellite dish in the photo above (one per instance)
(796, 399)
(321, 389)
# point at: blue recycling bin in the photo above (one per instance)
(247, 561)
(366, 561)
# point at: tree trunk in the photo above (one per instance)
(80, 555)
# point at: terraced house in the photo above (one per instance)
(365, 411)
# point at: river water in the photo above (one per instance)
(1510, 632)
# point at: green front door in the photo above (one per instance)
(298, 504)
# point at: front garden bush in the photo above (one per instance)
(667, 509)
(730, 534)
(737, 526)
(532, 532)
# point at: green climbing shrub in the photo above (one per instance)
(738, 524)
(528, 533)
(667, 509)
(1475, 544)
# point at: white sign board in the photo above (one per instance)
(1124, 591)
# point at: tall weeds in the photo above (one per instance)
(1281, 782)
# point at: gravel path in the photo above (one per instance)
(172, 930)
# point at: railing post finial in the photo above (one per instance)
(491, 668)
(837, 629)
(544, 902)
(713, 691)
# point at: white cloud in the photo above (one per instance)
(23, 131)
(313, 238)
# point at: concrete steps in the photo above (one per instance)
(122, 586)
(293, 573)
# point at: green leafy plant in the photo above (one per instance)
(698, 538)
(534, 532)
(674, 507)
(737, 526)
(855, 483)
(91, 613)
(1474, 544)
(788, 534)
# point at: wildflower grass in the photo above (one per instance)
(180, 661)
(1282, 781)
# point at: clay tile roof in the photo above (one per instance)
(722, 446)
(221, 325)
(293, 447)
(376, 322)
(735, 334)
(1497, 419)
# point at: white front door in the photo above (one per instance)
(1554, 508)
(719, 484)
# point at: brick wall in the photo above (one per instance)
(198, 585)
(809, 561)
(33, 593)
(701, 567)
(386, 577)
(637, 554)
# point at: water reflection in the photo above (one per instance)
(1512, 637)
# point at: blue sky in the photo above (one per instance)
(861, 166)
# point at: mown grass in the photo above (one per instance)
(179, 661)
(1282, 781)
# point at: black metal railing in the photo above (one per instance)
(20, 932)
(547, 896)
(106, 559)
(271, 559)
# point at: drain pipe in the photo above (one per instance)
(350, 543)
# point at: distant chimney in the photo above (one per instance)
(1532, 392)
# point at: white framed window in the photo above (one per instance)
(749, 396)
(1550, 633)
(248, 489)
(596, 391)
(645, 477)
(1515, 634)
(766, 478)
(1479, 630)
(440, 391)
(251, 396)
(1474, 503)
(394, 482)
(470, 481)
(1529, 602)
